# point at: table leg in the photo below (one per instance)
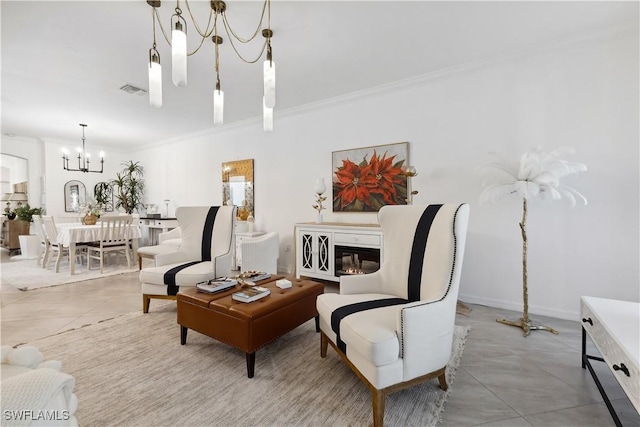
(584, 348)
(183, 334)
(72, 258)
(134, 249)
(251, 364)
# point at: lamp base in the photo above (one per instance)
(527, 326)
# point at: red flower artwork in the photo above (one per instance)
(370, 184)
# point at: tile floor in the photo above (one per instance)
(504, 379)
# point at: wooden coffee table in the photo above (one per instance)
(249, 326)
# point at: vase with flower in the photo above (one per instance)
(91, 213)
(319, 189)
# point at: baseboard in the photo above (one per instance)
(510, 305)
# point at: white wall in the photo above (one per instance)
(57, 177)
(46, 175)
(32, 150)
(583, 96)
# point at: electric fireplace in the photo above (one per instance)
(328, 251)
(356, 260)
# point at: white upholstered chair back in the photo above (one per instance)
(193, 222)
(261, 253)
(439, 263)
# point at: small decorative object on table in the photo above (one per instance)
(89, 219)
(253, 276)
(410, 172)
(319, 190)
(91, 213)
(537, 175)
(251, 294)
(250, 222)
(243, 213)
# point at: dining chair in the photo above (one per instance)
(52, 244)
(115, 232)
(37, 222)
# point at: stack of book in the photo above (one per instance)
(254, 276)
(251, 294)
(216, 285)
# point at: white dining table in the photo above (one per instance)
(69, 234)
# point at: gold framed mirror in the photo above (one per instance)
(237, 186)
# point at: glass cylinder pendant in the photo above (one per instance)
(218, 107)
(179, 55)
(155, 82)
(267, 117)
(269, 71)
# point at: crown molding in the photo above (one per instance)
(586, 38)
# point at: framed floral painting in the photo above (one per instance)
(366, 179)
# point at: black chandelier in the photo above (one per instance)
(83, 158)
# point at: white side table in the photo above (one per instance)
(614, 328)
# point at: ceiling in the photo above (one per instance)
(64, 62)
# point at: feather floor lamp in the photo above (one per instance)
(537, 175)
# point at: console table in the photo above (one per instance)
(155, 226)
(614, 328)
(11, 229)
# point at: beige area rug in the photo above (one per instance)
(26, 275)
(132, 371)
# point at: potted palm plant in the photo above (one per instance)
(129, 186)
(103, 193)
(29, 244)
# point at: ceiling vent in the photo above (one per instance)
(132, 90)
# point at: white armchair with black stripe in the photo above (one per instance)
(205, 253)
(394, 328)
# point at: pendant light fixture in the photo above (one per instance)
(267, 117)
(179, 54)
(155, 69)
(178, 48)
(218, 94)
(269, 73)
(83, 158)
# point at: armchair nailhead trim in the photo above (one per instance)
(453, 268)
